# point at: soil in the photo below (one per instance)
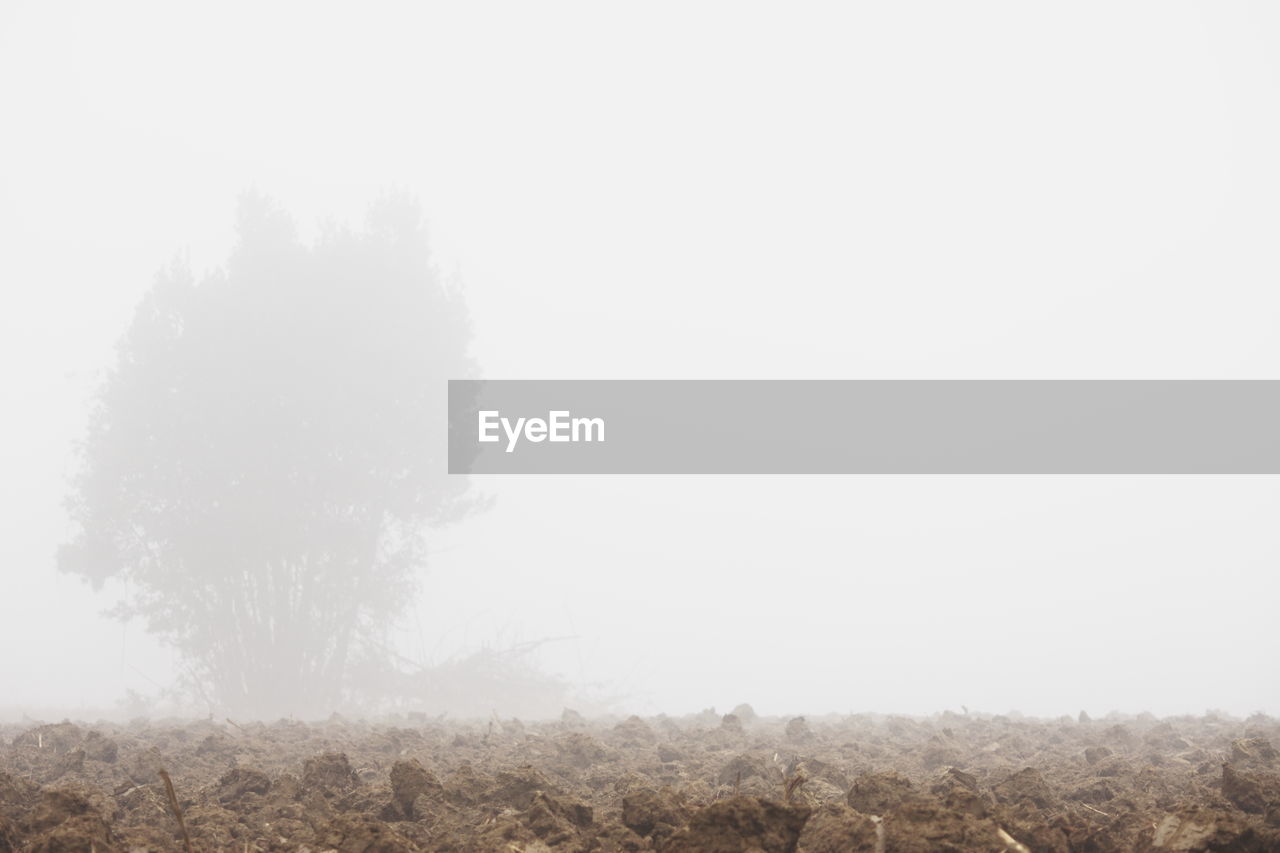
(732, 784)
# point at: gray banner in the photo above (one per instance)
(864, 427)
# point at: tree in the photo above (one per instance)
(269, 450)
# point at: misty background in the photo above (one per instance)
(710, 191)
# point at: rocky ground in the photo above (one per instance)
(703, 783)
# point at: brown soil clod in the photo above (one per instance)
(329, 773)
(740, 825)
(409, 781)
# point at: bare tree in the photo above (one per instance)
(269, 450)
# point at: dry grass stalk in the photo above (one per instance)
(1012, 843)
(177, 810)
(792, 785)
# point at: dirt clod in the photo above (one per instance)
(876, 793)
(740, 825)
(329, 773)
(653, 813)
(410, 780)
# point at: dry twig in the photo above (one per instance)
(1012, 843)
(177, 810)
(792, 785)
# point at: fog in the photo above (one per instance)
(884, 191)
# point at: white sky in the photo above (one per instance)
(995, 190)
